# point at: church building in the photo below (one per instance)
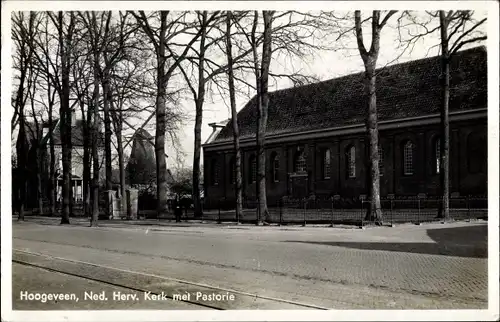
(316, 137)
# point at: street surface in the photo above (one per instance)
(430, 266)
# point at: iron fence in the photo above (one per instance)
(352, 211)
(337, 210)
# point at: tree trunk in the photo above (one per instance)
(198, 211)
(161, 162)
(444, 165)
(52, 167)
(374, 210)
(52, 162)
(107, 141)
(95, 155)
(21, 164)
(86, 160)
(65, 116)
(21, 152)
(121, 162)
(39, 166)
(107, 131)
(234, 120)
(262, 120)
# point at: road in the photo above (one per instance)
(421, 267)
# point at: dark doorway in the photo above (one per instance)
(299, 185)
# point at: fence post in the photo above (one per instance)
(467, 200)
(392, 220)
(281, 211)
(331, 224)
(305, 209)
(218, 219)
(418, 215)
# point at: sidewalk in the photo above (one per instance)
(166, 224)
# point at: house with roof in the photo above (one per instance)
(77, 151)
(316, 139)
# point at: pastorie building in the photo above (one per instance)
(316, 141)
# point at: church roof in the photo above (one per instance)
(405, 90)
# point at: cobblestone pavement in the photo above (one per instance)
(428, 266)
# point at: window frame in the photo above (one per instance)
(275, 167)
(381, 165)
(351, 161)
(437, 155)
(300, 155)
(408, 155)
(327, 164)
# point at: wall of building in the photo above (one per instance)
(468, 165)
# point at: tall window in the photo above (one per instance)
(351, 162)
(275, 167)
(215, 172)
(381, 168)
(253, 169)
(326, 164)
(437, 155)
(300, 162)
(408, 158)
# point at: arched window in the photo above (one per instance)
(381, 168)
(215, 172)
(275, 167)
(327, 159)
(437, 155)
(300, 162)
(476, 153)
(408, 158)
(351, 161)
(252, 175)
(232, 171)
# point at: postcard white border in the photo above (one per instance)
(255, 315)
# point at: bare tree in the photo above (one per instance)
(109, 43)
(261, 69)
(23, 33)
(451, 23)
(199, 97)
(161, 41)
(36, 136)
(94, 36)
(370, 62)
(24, 30)
(47, 62)
(65, 31)
(457, 29)
(234, 119)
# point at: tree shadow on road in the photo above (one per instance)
(469, 241)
